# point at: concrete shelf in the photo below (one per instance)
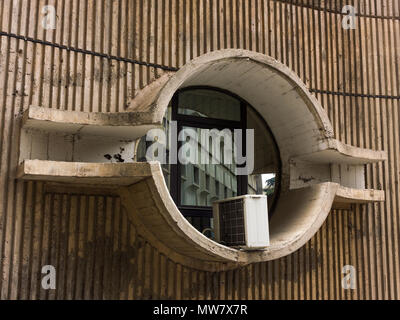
(117, 174)
(122, 125)
(352, 196)
(336, 152)
(72, 136)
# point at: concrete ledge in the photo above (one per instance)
(352, 196)
(337, 152)
(116, 174)
(122, 125)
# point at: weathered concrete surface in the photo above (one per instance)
(351, 196)
(84, 173)
(339, 152)
(61, 135)
(122, 125)
(146, 96)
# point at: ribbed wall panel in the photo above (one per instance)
(97, 253)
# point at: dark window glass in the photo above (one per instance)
(209, 104)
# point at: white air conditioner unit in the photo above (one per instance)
(242, 222)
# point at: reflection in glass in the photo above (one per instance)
(203, 183)
(209, 104)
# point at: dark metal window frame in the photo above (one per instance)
(204, 123)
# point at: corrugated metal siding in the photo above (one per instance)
(96, 252)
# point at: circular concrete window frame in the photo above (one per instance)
(302, 129)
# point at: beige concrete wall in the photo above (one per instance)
(85, 234)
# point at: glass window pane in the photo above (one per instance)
(203, 183)
(209, 104)
(269, 184)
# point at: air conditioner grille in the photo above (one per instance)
(232, 223)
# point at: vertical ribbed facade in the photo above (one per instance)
(86, 235)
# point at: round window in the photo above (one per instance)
(209, 137)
